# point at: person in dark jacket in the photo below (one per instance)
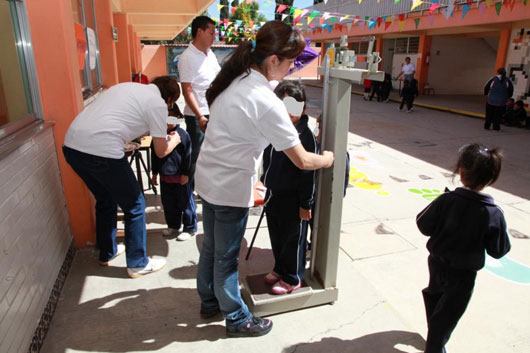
(409, 91)
(290, 193)
(462, 225)
(520, 117)
(386, 87)
(175, 190)
(498, 89)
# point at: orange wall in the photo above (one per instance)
(107, 47)
(122, 48)
(502, 52)
(310, 71)
(154, 61)
(54, 46)
(422, 66)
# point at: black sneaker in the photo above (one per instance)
(252, 328)
(209, 314)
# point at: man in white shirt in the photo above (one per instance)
(198, 67)
(407, 70)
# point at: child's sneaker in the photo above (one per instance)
(169, 231)
(271, 278)
(254, 327)
(185, 236)
(284, 288)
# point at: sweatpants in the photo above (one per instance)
(179, 206)
(494, 115)
(446, 299)
(288, 235)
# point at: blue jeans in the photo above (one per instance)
(113, 183)
(218, 277)
(196, 137)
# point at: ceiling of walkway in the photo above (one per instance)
(160, 19)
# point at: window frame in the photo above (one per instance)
(88, 85)
(26, 61)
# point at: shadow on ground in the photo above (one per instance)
(380, 342)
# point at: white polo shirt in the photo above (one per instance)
(408, 69)
(244, 119)
(119, 114)
(199, 69)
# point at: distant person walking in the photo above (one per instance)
(407, 70)
(198, 67)
(498, 89)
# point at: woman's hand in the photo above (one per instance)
(203, 122)
(330, 158)
(184, 179)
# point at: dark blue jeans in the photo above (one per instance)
(113, 183)
(218, 277)
(179, 206)
(196, 137)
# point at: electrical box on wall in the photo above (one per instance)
(115, 34)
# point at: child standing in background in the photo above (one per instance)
(409, 91)
(367, 88)
(290, 198)
(461, 224)
(176, 193)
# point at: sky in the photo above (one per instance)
(268, 11)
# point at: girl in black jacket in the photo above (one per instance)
(462, 225)
(290, 193)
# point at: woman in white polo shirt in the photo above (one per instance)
(407, 70)
(94, 148)
(245, 117)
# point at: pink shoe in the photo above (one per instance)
(284, 288)
(271, 278)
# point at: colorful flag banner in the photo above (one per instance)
(281, 8)
(284, 16)
(401, 26)
(219, 7)
(431, 19)
(417, 22)
(372, 24)
(433, 7)
(498, 6)
(342, 18)
(348, 25)
(489, 3)
(379, 20)
(387, 24)
(449, 10)
(465, 9)
(415, 3)
(481, 9)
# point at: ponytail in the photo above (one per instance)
(274, 38)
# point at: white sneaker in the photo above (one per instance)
(120, 249)
(169, 231)
(185, 236)
(152, 266)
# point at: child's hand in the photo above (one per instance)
(154, 179)
(184, 179)
(305, 214)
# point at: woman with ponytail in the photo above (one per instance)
(245, 117)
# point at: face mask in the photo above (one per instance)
(173, 120)
(294, 107)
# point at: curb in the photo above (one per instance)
(424, 105)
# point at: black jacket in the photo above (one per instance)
(178, 161)
(282, 177)
(462, 224)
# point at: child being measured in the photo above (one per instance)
(290, 193)
(462, 225)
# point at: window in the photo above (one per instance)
(84, 13)
(19, 92)
(408, 45)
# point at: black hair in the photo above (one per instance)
(201, 22)
(479, 165)
(502, 71)
(274, 38)
(292, 89)
(169, 88)
(408, 57)
(519, 103)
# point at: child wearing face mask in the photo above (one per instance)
(290, 198)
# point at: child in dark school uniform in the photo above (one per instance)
(290, 193)
(462, 225)
(176, 193)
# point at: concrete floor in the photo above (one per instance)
(399, 163)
